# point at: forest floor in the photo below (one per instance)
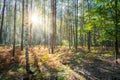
(64, 64)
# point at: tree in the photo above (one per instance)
(76, 25)
(22, 25)
(116, 29)
(44, 19)
(68, 24)
(89, 33)
(31, 24)
(82, 23)
(61, 20)
(26, 40)
(53, 25)
(1, 26)
(14, 28)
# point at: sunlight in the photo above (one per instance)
(35, 18)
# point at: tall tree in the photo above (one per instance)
(2, 20)
(22, 25)
(14, 28)
(53, 25)
(44, 19)
(68, 24)
(61, 20)
(31, 5)
(89, 33)
(26, 40)
(82, 23)
(55, 30)
(76, 25)
(116, 29)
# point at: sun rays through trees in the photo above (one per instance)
(59, 39)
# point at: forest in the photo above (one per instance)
(59, 39)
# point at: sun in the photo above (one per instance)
(34, 18)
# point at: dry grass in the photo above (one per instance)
(54, 62)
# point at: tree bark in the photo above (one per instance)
(61, 19)
(44, 25)
(82, 23)
(22, 25)
(89, 33)
(68, 16)
(2, 20)
(116, 30)
(53, 25)
(14, 28)
(76, 25)
(31, 25)
(26, 40)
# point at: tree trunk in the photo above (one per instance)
(68, 25)
(116, 32)
(89, 33)
(2, 20)
(22, 25)
(89, 40)
(14, 28)
(31, 25)
(76, 25)
(94, 37)
(26, 40)
(53, 25)
(61, 26)
(82, 24)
